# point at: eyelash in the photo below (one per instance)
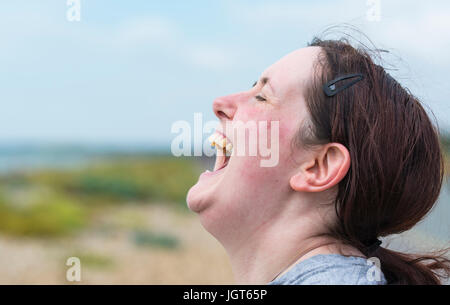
(260, 98)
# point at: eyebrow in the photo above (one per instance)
(263, 81)
(266, 80)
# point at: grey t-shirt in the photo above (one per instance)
(333, 269)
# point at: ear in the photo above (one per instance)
(327, 168)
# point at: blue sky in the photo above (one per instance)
(129, 69)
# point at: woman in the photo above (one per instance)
(358, 159)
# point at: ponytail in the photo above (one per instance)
(407, 269)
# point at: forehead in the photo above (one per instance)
(289, 74)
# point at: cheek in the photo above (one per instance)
(256, 180)
(284, 123)
(286, 136)
(284, 132)
(280, 125)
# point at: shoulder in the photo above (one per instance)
(333, 269)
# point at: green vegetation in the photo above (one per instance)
(47, 216)
(94, 261)
(55, 202)
(446, 146)
(446, 143)
(122, 180)
(152, 239)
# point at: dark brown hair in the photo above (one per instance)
(397, 165)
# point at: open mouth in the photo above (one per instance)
(224, 149)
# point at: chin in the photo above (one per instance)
(202, 195)
(199, 203)
(197, 199)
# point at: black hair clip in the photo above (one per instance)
(330, 88)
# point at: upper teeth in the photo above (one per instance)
(219, 141)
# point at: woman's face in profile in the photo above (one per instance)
(243, 195)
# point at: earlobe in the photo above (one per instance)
(301, 182)
(329, 167)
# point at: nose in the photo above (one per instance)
(225, 107)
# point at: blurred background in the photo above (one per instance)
(89, 90)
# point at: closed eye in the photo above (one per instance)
(260, 98)
(254, 84)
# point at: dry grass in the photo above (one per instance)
(109, 256)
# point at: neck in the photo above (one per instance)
(275, 246)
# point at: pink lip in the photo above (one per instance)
(224, 135)
(213, 173)
(218, 131)
(209, 173)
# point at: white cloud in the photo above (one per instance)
(404, 25)
(144, 31)
(428, 32)
(297, 15)
(212, 57)
(132, 36)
